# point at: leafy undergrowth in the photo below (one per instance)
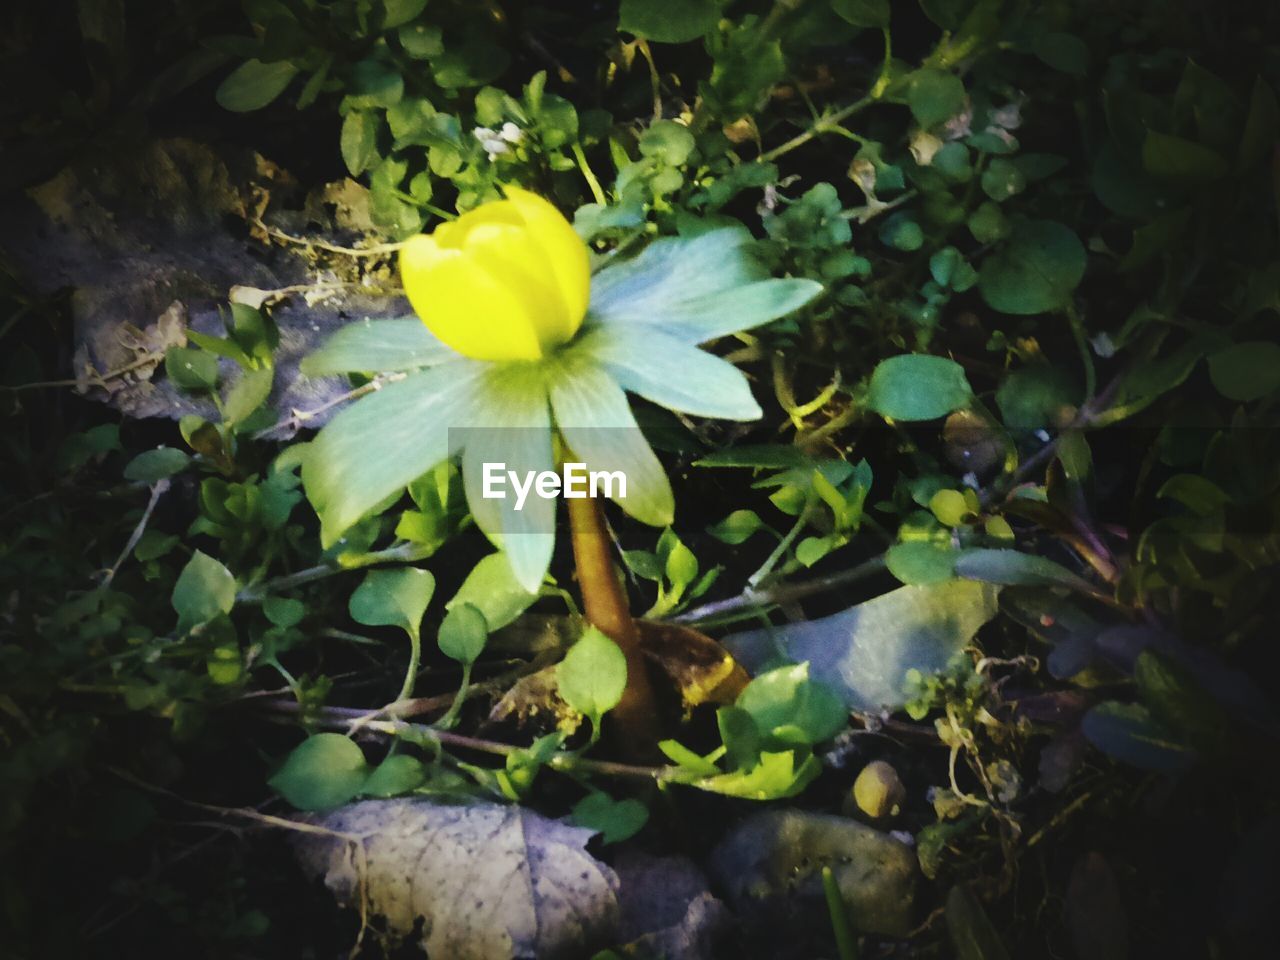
(962, 647)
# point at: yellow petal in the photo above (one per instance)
(465, 305)
(510, 255)
(564, 250)
(455, 234)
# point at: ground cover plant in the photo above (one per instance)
(934, 343)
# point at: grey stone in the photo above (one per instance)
(167, 230)
(769, 869)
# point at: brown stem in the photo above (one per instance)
(634, 719)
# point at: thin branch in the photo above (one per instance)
(781, 593)
(157, 491)
(400, 553)
(93, 379)
(297, 418)
(377, 250)
(339, 719)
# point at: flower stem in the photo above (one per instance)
(605, 606)
(415, 657)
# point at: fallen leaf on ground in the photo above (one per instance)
(491, 882)
(864, 652)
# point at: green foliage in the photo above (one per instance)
(1024, 262)
(393, 598)
(592, 675)
(917, 387)
(615, 820)
(463, 633)
(324, 771)
(204, 590)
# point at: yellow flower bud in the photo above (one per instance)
(509, 280)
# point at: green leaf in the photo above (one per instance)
(686, 759)
(934, 96)
(695, 289)
(1198, 494)
(224, 664)
(773, 778)
(643, 564)
(254, 84)
(1035, 271)
(1260, 126)
(1129, 733)
(916, 386)
(901, 232)
(92, 444)
(950, 507)
(1246, 371)
(737, 527)
(204, 589)
(1013, 569)
(382, 443)
(254, 332)
(395, 775)
(785, 704)
(422, 41)
(375, 84)
(1037, 396)
(324, 771)
(284, 611)
(865, 652)
(1002, 179)
(918, 562)
(949, 268)
(359, 140)
(247, 394)
(667, 141)
(191, 369)
(614, 820)
(399, 12)
(1181, 161)
(668, 21)
(1170, 691)
(220, 346)
(153, 545)
(596, 422)
(463, 633)
(812, 549)
(393, 598)
(863, 13)
(681, 567)
(972, 933)
(740, 735)
(377, 346)
(988, 223)
(671, 373)
(1064, 52)
(152, 466)
(491, 587)
(593, 675)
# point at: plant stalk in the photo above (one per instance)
(634, 719)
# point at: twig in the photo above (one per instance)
(297, 418)
(781, 593)
(158, 490)
(355, 840)
(400, 553)
(93, 379)
(339, 719)
(375, 251)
